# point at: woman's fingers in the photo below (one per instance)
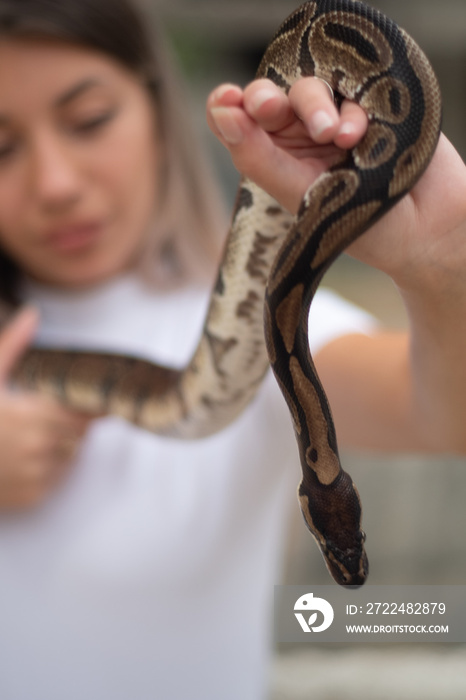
(353, 125)
(256, 155)
(270, 108)
(308, 105)
(39, 441)
(14, 340)
(312, 102)
(284, 141)
(38, 436)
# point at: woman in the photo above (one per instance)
(135, 566)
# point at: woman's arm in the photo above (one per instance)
(392, 390)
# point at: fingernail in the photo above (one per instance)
(227, 125)
(224, 89)
(261, 96)
(319, 122)
(346, 129)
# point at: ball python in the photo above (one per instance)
(274, 261)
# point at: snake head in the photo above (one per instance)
(332, 513)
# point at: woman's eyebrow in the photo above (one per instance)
(77, 90)
(68, 96)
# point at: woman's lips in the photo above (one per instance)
(75, 237)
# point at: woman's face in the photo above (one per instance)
(78, 162)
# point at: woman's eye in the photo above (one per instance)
(93, 123)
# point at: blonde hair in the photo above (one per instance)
(190, 223)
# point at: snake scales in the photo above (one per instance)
(365, 57)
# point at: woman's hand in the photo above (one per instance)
(284, 142)
(38, 436)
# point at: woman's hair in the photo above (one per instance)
(190, 220)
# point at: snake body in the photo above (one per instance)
(365, 57)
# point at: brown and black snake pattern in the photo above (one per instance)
(365, 57)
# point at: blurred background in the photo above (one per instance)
(414, 510)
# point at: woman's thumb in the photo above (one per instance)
(15, 338)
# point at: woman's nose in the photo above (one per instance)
(55, 173)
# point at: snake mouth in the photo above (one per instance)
(347, 570)
(348, 566)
